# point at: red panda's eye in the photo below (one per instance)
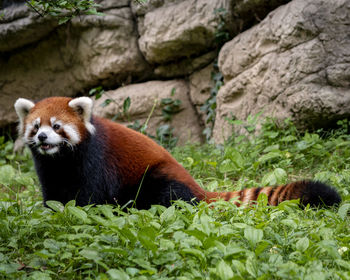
(36, 126)
(56, 126)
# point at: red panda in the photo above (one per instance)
(95, 161)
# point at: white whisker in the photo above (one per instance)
(69, 144)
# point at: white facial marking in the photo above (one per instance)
(50, 144)
(28, 130)
(52, 137)
(72, 132)
(30, 127)
(52, 120)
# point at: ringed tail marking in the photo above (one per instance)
(309, 192)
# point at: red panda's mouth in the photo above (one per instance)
(46, 147)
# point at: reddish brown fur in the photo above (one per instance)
(139, 153)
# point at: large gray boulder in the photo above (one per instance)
(72, 58)
(144, 97)
(180, 36)
(20, 25)
(293, 64)
(180, 30)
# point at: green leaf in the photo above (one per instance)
(126, 104)
(224, 271)
(344, 264)
(235, 157)
(261, 247)
(38, 275)
(302, 244)
(253, 235)
(55, 205)
(303, 145)
(262, 200)
(79, 213)
(118, 274)
(24, 180)
(331, 248)
(8, 268)
(94, 12)
(147, 236)
(240, 225)
(289, 138)
(270, 156)
(52, 245)
(168, 215)
(227, 166)
(200, 235)
(276, 177)
(343, 210)
(106, 102)
(90, 254)
(205, 222)
(107, 211)
(194, 252)
(7, 174)
(290, 223)
(63, 20)
(252, 267)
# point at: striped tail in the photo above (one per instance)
(309, 192)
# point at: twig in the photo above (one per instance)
(33, 7)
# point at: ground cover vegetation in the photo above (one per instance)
(217, 241)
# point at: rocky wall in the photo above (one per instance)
(288, 60)
(293, 64)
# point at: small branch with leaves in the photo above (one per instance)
(65, 10)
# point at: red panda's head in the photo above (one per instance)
(54, 122)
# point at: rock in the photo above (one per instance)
(150, 5)
(175, 29)
(180, 30)
(201, 83)
(179, 36)
(90, 51)
(143, 97)
(290, 65)
(184, 67)
(108, 50)
(112, 4)
(20, 26)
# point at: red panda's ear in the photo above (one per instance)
(22, 107)
(83, 106)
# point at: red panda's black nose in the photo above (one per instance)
(42, 136)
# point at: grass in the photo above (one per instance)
(217, 241)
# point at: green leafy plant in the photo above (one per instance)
(65, 10)
(164, 133)
(185, 241)
(209, 107)
(222, 34)
(170, 107)
(97, 92)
